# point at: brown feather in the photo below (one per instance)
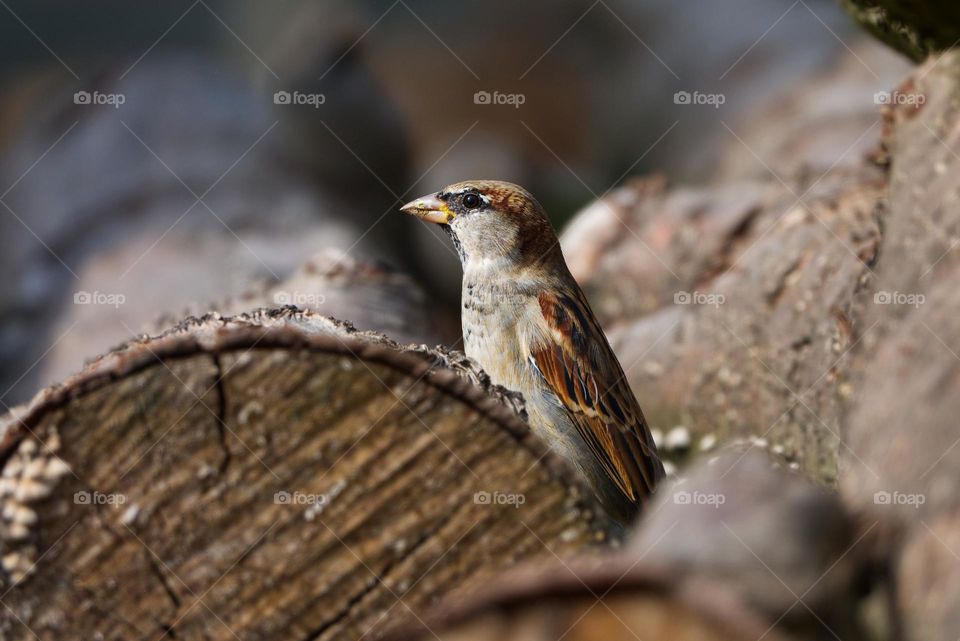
(596, 395)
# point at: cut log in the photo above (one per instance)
(332, 283)
(780, 545)
(820, 320)
(902, 457)
(276, 475)
(738, 308)
(738, 549)
(731, 307)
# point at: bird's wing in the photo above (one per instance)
(578, 364)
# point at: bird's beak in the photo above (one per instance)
(429, 208)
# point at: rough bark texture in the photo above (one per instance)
(901, 467)
(737, 308)
(269, 476)
(732, 307)
(828, 328)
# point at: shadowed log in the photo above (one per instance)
(609, 600)
(270, 476)
(779, 544)
(738, 549)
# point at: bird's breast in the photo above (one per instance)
(490, 316)
(500, 319)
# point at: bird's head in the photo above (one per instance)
(489, 221)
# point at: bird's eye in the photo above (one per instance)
(471, 201)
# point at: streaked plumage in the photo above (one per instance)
(527, 323)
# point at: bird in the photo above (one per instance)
(527, 323)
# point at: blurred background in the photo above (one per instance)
(159, 160)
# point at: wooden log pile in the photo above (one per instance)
(279, 474)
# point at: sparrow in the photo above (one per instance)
(527, 323)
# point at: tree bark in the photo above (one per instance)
(732, 308)
(902, 460)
